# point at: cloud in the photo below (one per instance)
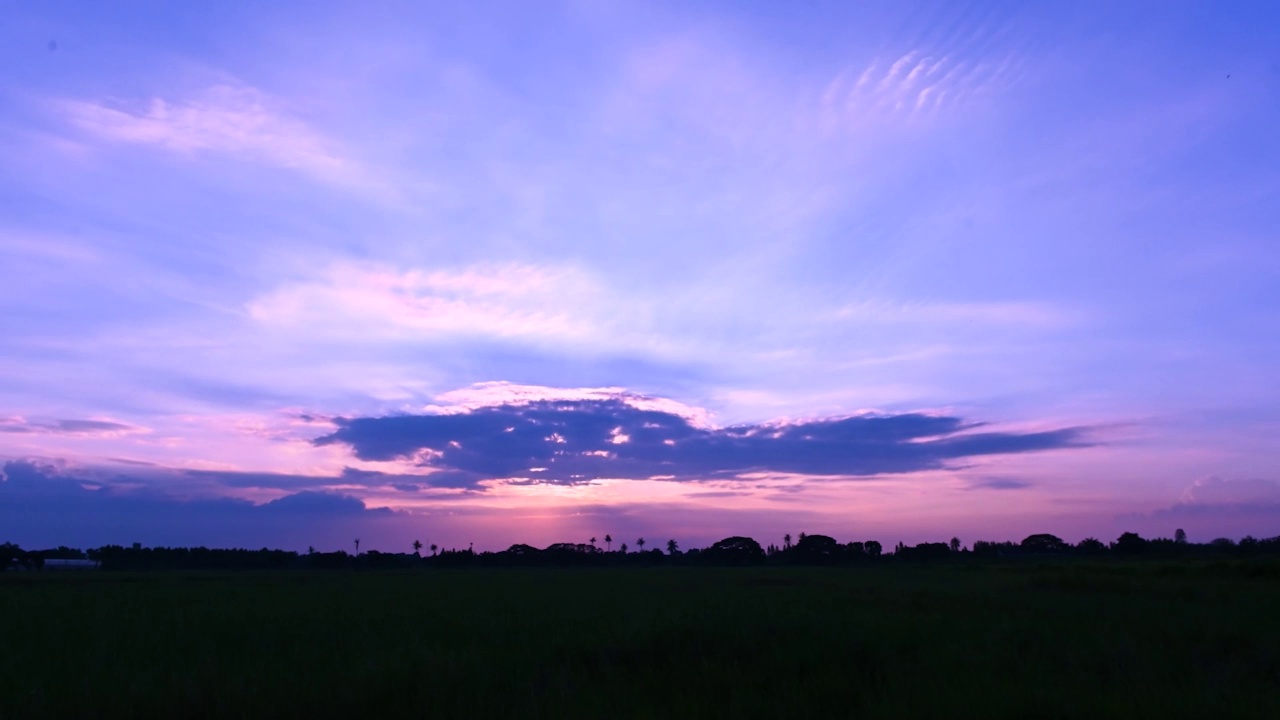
(43, 504)
(244, 480)
(486, 394)
(1013, 314)
(1216, 491)
(580, 440)
(1214, 507)
(349, 478)
(228, 119)
(311, 503)
(1000, 484)
(100, 428)
(912, 86)
(1207, 521)
(492, 301)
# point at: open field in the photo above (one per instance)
(1023, 640)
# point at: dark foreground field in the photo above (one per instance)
(1069, 641)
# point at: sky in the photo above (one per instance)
(287, 274)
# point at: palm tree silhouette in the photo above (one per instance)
(640, 543)
(417, 547)
(672, 547)
(357, 547)
(608, 542)
(624, 548)
(593, 542)
(433, 549)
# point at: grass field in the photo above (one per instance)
(991, 641)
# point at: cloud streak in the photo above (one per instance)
(227, 119)
(1000, 484)
(498, 301)
(911, 86)
(100, 428)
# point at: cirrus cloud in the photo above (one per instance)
(502, 301)
(107, 428)
(230, 119)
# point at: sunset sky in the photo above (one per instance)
(292, 273)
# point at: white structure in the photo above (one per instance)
(71, 564)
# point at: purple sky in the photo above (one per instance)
(291, 273)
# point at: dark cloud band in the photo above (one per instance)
(572, 441)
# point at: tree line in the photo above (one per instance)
(737, 550)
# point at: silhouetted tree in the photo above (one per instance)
(786, 541)
(608, 542)
(10, 555)
(986, 548)
(1129, 543)
(816, 549)
(735, 550)
(813, 549)
(923, 551)
(1180, 536)
(1043, 543)
(1091, 546)
(593, 541)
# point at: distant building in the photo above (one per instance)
(71, 564)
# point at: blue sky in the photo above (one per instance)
(233, 236)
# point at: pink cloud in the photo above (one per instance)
(377, 301)
(235, 120)
(917, 85)
(1216, 491)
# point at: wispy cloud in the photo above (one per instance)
(913, 86)
(235, 120)
(97, 428)
(501, 393)
(999, 484)
(1214, 507)
(377, 301)
(1016, 314)
(1217, 491)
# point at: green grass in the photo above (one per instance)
(1016, 641)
